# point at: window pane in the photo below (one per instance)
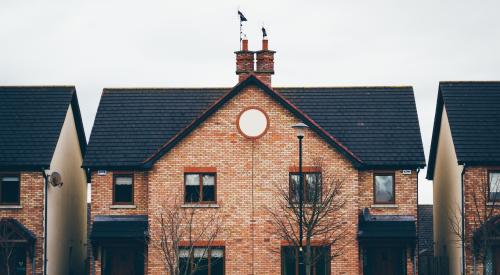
(384, 189)
(313, 185)
(192, 185)
(123, 193)
(291, 259)
(123, 180)
(494, 186)
(192, 193)
(208, 180)
(288, 257)
(10, 190)
(217, 266)
(294, 188)
(209, 193)
(192, 179)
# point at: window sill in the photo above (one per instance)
(11, 207)
(124, 206)
(384, 206)
(200, 205)
(495, 204)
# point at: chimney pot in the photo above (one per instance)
(265, 63)
(245, 61)
(244, 45)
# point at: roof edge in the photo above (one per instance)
(438, 114)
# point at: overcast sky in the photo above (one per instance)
(118, 43)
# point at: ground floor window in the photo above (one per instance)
(16, 257)
(293, 261)
(202, 260)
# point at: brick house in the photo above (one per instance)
(41, 136)
(464, 163)
(149, 149)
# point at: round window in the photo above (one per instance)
(253, 122)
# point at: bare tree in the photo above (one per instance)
(485, 220)
(321, 220)
(180, 230)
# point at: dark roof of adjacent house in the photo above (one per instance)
(122, 226)
(31, 119)
(425, 230)
(371, 126)
(474, 118)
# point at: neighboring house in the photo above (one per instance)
(425, 240)
(41, 135)
(150, 148)
(464, 164)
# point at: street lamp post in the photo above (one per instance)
(299, 127)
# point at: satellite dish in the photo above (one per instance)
(55, 179)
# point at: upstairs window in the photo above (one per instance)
(199, 187)
(10, 189)
(202, 260)
(123, 189)
(384, 188)
(311, 187)
(494, 186)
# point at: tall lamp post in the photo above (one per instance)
(299, 127)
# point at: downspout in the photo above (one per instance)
(463, 219)
(415, 253)
(46, 187)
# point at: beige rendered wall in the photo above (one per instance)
(67, 232)
(447, 198)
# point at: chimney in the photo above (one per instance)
(265, 63)
(244, 61)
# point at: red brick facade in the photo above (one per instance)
(242, 165)
(31, 213)
(475, 182)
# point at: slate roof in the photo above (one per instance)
(123, 226)
(474, 117)
(31, 118)
(425, 230)
(374, 126)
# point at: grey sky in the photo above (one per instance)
(118, 43)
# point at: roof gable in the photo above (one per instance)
(474, 118)
(31, 118)
(253, 80)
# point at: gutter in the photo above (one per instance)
(46, 188)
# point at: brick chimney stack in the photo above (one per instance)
(244, 61)
(265, 63)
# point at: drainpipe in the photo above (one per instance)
(415, 253)
(46, 186)
(463, 219)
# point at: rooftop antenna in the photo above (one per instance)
(242, 19)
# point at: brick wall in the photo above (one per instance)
(475, 182)
(31, 213)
